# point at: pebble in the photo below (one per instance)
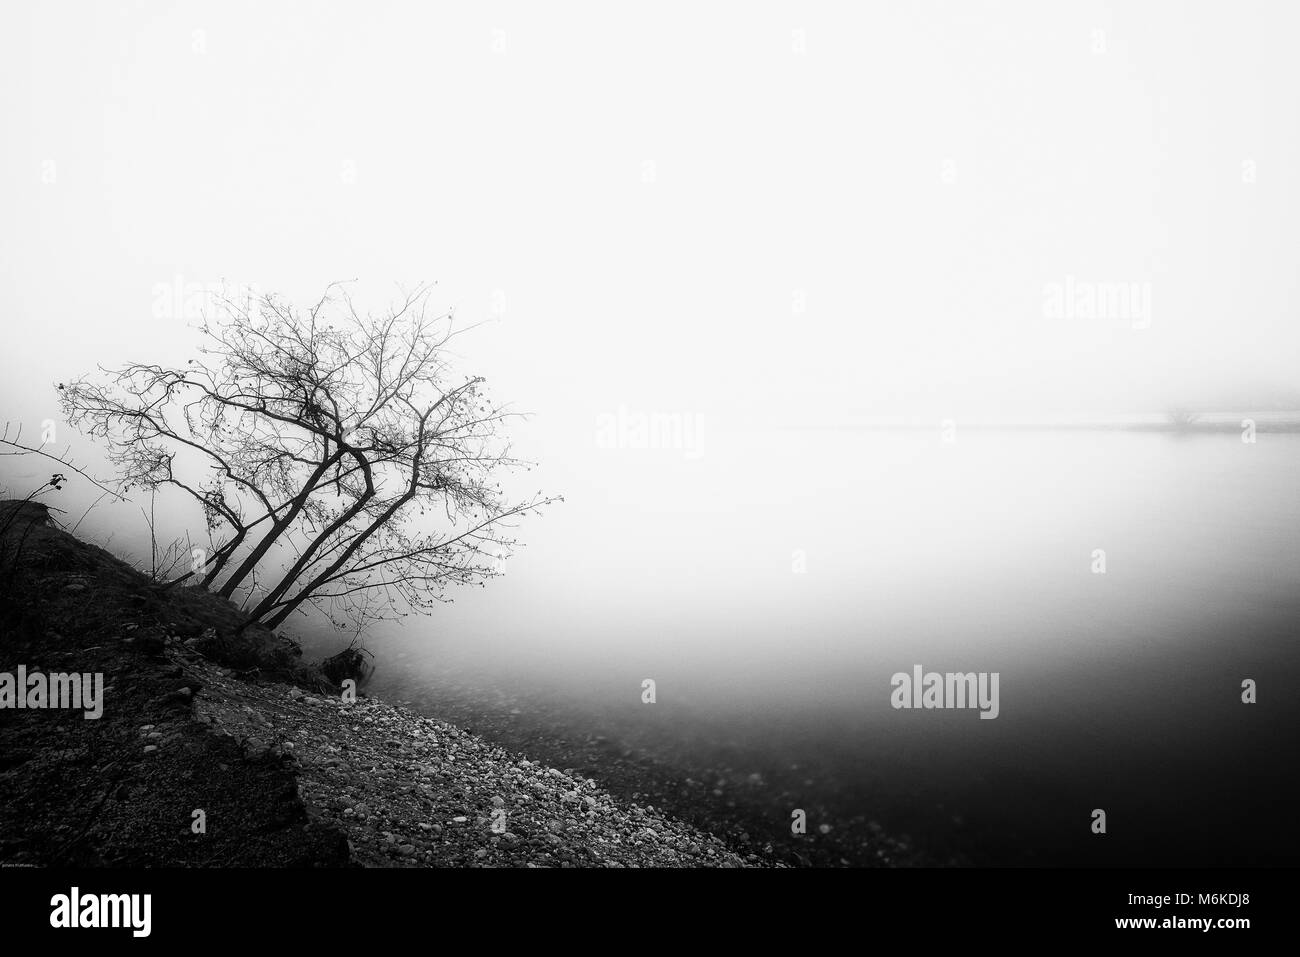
(372, 765)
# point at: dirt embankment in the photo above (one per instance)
(221, 750)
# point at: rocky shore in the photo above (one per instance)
(412, 791)
(218, 750)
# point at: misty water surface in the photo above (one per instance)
(1118, 690)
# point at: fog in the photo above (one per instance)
(714, 251)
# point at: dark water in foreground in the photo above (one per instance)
(1119, 691)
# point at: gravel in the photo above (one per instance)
(412, 791)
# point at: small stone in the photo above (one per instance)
(150, 747)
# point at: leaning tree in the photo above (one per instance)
(337, 459)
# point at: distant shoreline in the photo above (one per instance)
(1215, 424)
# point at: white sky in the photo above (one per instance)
(204, 142)
(914, 174)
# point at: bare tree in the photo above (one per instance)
(334, 444)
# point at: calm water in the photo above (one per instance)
(772, 585)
